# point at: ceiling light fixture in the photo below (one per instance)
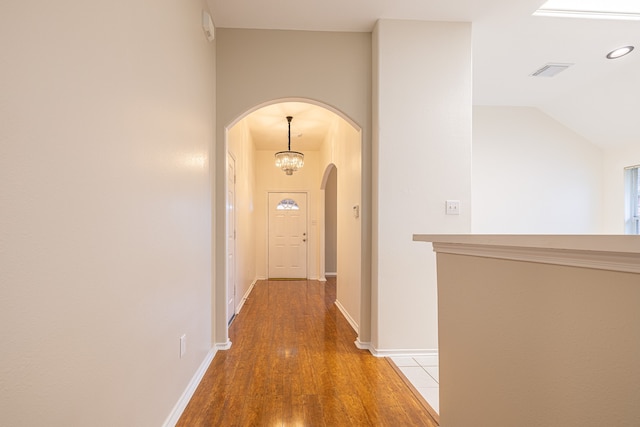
(619, 52)
(289, 161)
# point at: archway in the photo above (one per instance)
(341, 144)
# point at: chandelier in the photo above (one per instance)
(289, 161)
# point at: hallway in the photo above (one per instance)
(293, 362)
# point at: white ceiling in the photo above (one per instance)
(269, 127)
(596, 97)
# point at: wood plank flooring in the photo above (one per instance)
(293, 362)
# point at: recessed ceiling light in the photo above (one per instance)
(619, 52)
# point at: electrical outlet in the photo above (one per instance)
(183, 345)
(453, 207)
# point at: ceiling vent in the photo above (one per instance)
(550, 70)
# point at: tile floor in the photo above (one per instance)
(422, 372)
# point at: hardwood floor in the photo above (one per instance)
(293, 362)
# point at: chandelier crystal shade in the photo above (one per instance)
(289, 161)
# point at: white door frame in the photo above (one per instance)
(231, 218)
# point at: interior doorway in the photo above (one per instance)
(328, 139)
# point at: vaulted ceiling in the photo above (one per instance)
(596, 97)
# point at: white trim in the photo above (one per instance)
(330, 274)
(403, 352)
(347, 316)
(182, 403)
(406, 352)
(571, 242)
(245, 296)
(395, 352)
(363, 345)
(600, 260)
(226, 243)
(224, 345)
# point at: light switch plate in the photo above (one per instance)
(453, 207)
(183, 345)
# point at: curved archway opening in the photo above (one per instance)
(329, 140)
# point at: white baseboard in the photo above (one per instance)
(363, 345)
(182, 403)
(347, 316)
(330, 274)
(245, 296)
(395, 352)
(404, 352)
(223, 345)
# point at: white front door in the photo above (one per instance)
(231, 237)
(288, 235)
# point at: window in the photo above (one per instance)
(632, 203)
(595, 9)
(287, 205)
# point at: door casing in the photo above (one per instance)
(287, 239)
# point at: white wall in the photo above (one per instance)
(259, 66)
(272, 179)
(105, 233)
(422, 157)
(532, 175)
(240, 144)
(615, 160)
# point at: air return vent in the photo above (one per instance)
(550, 70)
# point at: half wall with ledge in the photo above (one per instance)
(538, 329)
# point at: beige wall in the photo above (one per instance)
(525, 344)
(241, 146)
(422, 157)
(256, 67)
(342, 149)
(107, 123)
(331, 222)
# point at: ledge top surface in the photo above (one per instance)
(570, 242)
